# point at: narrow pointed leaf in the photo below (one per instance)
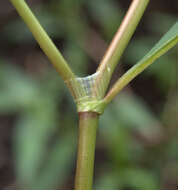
(169, 40)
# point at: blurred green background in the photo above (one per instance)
(137, 143)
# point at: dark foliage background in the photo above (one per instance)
(138, 134)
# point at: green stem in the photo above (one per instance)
(88, 123)
(43, 39)
(122, 37)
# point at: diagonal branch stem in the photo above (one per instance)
(43, 39)
(122, 37)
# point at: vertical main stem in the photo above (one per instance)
(88, 124)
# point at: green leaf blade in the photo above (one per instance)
(169, 40)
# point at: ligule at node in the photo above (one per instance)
(89, 91)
